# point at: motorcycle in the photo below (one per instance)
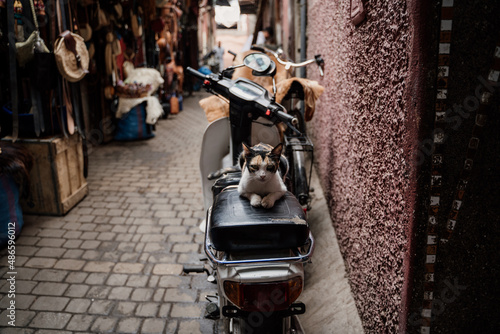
(257, 255)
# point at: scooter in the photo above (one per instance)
(257, 255)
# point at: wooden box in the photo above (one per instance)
(57, 181)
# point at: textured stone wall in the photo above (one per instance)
(364, 136)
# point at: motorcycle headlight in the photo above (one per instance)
(263, 297)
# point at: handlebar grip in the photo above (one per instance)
(196, 73)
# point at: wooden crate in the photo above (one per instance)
(57, 181)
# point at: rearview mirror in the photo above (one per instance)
(259, 62)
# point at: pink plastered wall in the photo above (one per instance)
(365, 131)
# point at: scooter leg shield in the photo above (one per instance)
(214, 147)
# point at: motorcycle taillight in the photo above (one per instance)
(263, 297)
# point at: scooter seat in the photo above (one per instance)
(235, 225)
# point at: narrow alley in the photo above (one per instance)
(113, 264)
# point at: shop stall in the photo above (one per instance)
(82, 73)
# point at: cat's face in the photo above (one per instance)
(262, 161)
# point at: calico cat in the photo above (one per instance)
(260, 181)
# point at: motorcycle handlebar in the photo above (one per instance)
(284, 117)
(196, 73)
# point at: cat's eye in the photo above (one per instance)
(254, 167)
(270, 168)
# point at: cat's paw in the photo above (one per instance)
(267, 202)
(255, 200)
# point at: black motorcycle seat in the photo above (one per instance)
(235, 225)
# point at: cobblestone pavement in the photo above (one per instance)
(113, 264)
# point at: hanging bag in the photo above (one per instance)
(72, 56)
(86, 32)
(101, 19)
(26, 50)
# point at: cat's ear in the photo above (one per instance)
(277, 149)
(246, 150)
